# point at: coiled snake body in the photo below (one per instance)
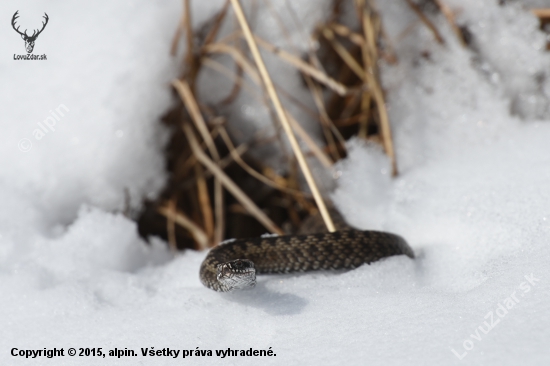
(234, 265)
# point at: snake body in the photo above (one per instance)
(233, 265)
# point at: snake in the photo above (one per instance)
(233, 264)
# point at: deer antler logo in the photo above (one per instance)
(29, 40)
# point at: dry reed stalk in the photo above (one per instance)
(188, 98)
(350, 104)
(315, 149)
(544, 18)
(344, 54)
(350, 121)
(407, 31)
(344, 31)
(303, 66)
(370, 57)
(426, 21)
(541, 13)
(204, 201)
(281, 114)
(181, 219)
(448, 13)
(237, 56)
(369, 78)
(217, 24)
(228, 183)
(170, 225)
(223, 163)
(177, 35)
(388, 53)
(189, 60)
(326, 123)
(237, 79)
(262, 178)
(233, 94)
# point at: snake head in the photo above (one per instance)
(238, 274)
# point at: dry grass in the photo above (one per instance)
(544, 16)
(216, 189)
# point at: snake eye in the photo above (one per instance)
(238, 264)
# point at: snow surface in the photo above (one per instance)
(471, 130)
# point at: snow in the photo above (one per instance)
(471, 134)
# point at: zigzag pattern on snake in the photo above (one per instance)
(233, 265)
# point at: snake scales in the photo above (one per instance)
(234, 264)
